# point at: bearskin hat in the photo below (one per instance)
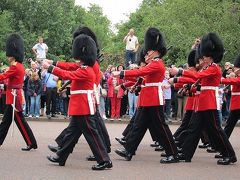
(15, 47)
(191, 58)
(237, 61)
(141, 56)
(211, 46)
(154, 41)
(84, 48)
(87, 31)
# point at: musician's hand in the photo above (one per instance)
(60, 90)
(173, 71)
(116, 73)
(45, 64)
(49, 61)
(193, 86)
(117, 88)
(171, 81)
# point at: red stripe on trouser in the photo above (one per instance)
(220, 136)
(173, 152)
(25, 134)
(96, 142)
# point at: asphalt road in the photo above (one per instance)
(16, 164)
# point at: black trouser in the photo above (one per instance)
(87, 126)
(21, 124)
(102, 130)
(51, 94)
(151, 117)
(184, 124)
(184, 132)
(207, 120)
(233, 118)
(2, 103)
(130, 126)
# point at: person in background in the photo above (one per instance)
(59, 100)
(40, 49)
(167, 96)
(65, 94)
(132, 45)
(114, 96)
(27, 76)
(34, 91)
(3, 85)
(103, 96)
(132, 97)
(106, 76)
(50, 82)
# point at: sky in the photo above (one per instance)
(115, 10)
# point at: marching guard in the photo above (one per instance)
(14, 97)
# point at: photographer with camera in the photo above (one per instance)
(131, 47)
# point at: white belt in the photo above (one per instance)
(197, 92)
(160, 92)
(209, 88)
(89, 97)
(235, 93)
(215, 88)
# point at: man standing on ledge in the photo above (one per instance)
(40, 49)
(131, 47)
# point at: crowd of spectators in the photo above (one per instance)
(44, 98)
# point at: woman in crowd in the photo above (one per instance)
(34, 91)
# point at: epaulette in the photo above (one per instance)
(214, 64)
(83, 66)
(157, 59)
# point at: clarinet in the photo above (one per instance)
(65, 85)
(135, 88)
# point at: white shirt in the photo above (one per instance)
(131, 43)
(41, 50)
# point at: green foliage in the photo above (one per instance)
(181, 21)
(54, 20)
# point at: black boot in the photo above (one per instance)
(211, 150)
(219, 156)
(181, 157)
(56, 159)
(203, 146)
(28, 148)
(227, 160)
(102, 166)
(121, 141)
(53, 148)
(163, 154)
(91, 158)
(159, 148)
(155, 144)
(124, 153)
(169, 159)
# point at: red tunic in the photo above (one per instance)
(15, 76)
(153, 73)
(73, 66)
(235, 94)
(210, 80)
(82, 79)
